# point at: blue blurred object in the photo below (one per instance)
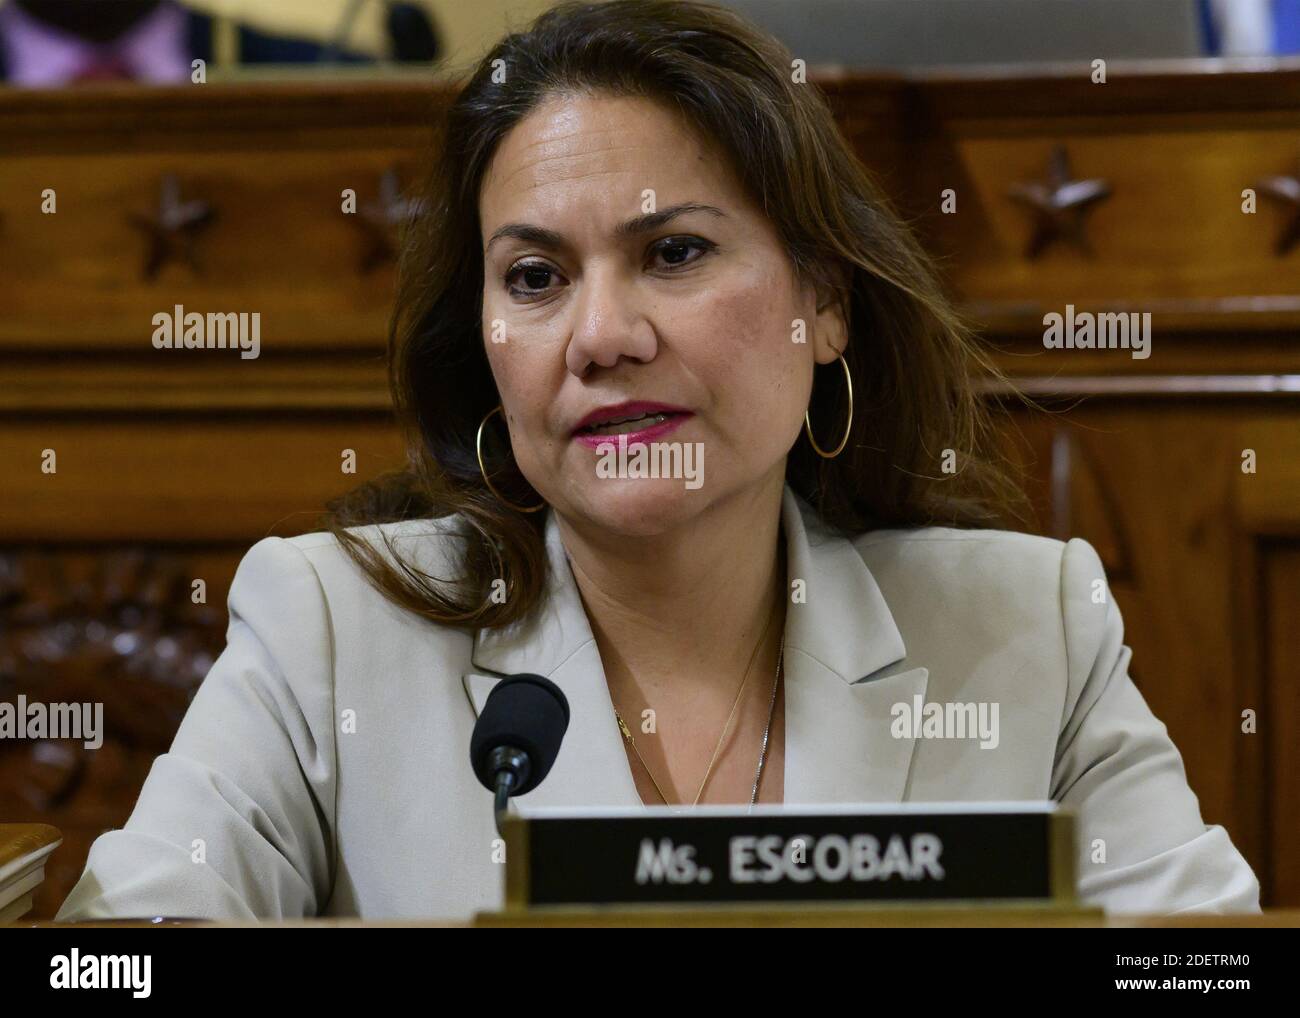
(1209, 30)
(260, 48)
(1286, 26)
(1283, 17)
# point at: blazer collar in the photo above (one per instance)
(840, 643)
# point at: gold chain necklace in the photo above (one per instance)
(762, 755)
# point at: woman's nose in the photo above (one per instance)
(609, 322)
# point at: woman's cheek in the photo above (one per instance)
(742, 320)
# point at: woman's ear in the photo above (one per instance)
(831, 330)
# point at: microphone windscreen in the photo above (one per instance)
(526, 712)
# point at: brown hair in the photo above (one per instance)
(911, 357)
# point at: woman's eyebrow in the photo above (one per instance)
(528, 233)
(631, 228)
(654, 220)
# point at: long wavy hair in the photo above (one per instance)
(913, 360)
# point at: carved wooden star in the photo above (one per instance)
(381, 221)
(173, 229)
(1287, 191)
(1059, 204)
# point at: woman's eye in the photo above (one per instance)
(534, 277)
(676, 250)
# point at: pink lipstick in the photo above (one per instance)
(635, 422)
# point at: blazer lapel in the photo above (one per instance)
(841, 646)
(842, 672)
(556, 641)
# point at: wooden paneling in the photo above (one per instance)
(1176, 146)
(278, 244)
(1173, 227)
(271, 170)
(1278, 716)
(101, 624)
(132, 479)
(1158, 488)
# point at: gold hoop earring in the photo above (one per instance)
(478, 451)
(848, 428)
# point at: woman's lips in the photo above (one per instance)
(655, 426)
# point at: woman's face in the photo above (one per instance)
(591, 301)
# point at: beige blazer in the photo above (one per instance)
(323, 767)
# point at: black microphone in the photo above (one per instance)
(517, 736)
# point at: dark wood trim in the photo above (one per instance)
(43, 121)
(1132, 88)
(406, 100)
(200, 386)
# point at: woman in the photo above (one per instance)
(679, 256)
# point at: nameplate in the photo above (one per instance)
(1004, 852)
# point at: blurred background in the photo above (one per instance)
(55, 42)
(1105, 156)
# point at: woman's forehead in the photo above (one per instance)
(602, 152)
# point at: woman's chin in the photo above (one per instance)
(641, 507)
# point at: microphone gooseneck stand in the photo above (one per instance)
(512, 767)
